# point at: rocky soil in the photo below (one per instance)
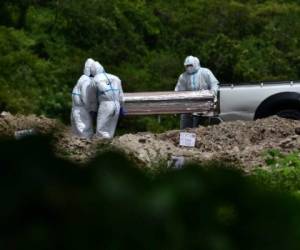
(240, 142)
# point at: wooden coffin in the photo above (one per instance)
(150, 103)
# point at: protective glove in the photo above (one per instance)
(123, 112)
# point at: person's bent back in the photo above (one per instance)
(110, 99)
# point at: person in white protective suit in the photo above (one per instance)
(84, 103)
(110, 99)
(195, 78)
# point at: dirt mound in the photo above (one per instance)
(242, 143)
(10, 124)
(77, 149)
(66, 145)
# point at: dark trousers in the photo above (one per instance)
(191, 121)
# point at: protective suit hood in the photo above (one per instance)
(96, 69)
(87, 67)
(192, 64)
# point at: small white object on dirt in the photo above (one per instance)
(187, 139)
(176, 162)
(24, 133)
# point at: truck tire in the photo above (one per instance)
(286, 105)
(293, 114)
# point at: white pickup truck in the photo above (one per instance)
(235, 101)
(259, 100)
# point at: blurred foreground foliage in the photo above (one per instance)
(43, 45)
(50, 203)
(282, 173)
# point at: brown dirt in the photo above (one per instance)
(240, 142)
(66, 145)
(9, 124)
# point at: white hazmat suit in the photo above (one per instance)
(195, 78)
(84, 101)
(110, 99)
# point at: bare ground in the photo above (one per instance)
(240, 142)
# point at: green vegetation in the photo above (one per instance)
(48, 203)
(283, 173)
(43, 45)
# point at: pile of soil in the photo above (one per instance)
(77, 149)
(10, 124)
(65, 143)
(242, 143)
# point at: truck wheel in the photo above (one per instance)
(293, 114)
